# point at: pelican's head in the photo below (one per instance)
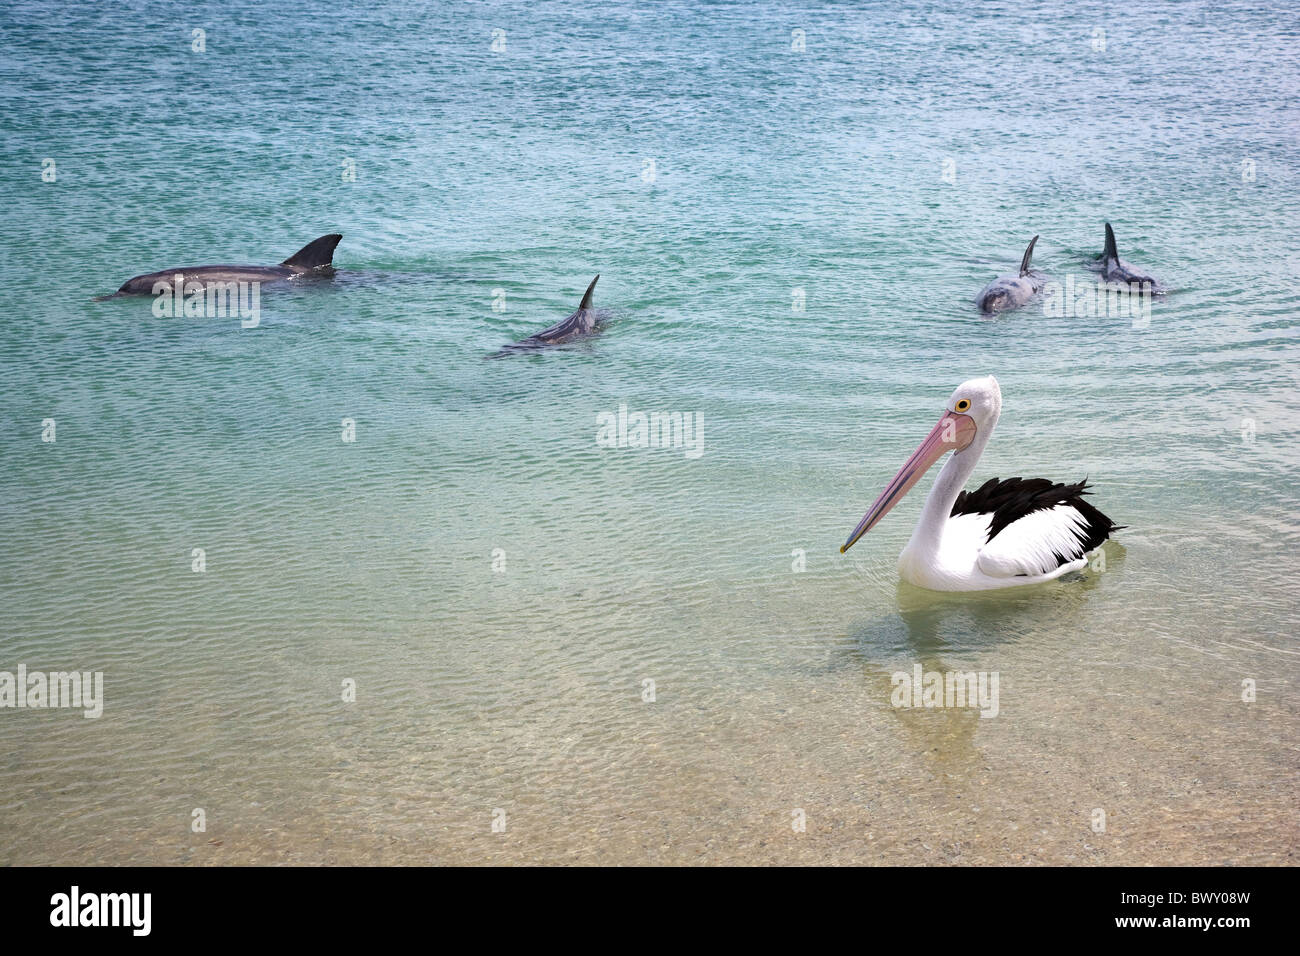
(973, 409)
(980, 400)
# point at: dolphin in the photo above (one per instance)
(1011, 292)
(586, 321)
(315, 258)
(1115, 269)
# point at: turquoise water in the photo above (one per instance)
(498, 585)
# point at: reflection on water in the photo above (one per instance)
(953, 632)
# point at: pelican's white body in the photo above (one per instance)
(962, 561)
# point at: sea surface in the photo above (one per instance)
(564, 652)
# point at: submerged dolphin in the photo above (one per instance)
(1010, 292)
(1115, 269)
(315, 258)
(586, 321)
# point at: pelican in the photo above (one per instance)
(1005, 533)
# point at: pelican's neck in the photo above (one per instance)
(952, 479)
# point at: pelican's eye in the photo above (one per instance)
(962, 406)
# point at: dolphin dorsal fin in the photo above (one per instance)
(1029, 252)
(1111, 252)
(317, 253)
(586, 297)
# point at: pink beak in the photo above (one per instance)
(953, 433)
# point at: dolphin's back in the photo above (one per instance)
(317, 257)
(1115, 269)
(584, 321)
(1011, 291)
(579, 323)
(144, 284)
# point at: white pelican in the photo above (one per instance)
(1003, 534)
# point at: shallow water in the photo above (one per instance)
(521, 689)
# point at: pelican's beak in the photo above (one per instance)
(953, 433)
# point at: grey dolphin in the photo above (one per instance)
(1011, 291)
(315, 258)
(586, 321)
(1115, 269)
